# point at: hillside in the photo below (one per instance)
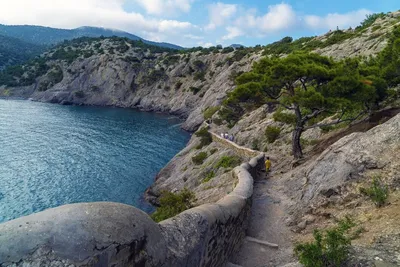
(14, 51)
(49, 36)
(225, 87)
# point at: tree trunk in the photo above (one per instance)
(298, 130)
(296, 146)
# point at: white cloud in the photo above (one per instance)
(101, 13)
(233, 32)
(206, 45)
(331, 21)
(163, 7)
(278, 18)
(219, 13)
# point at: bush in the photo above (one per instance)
(227, 50)
(200, 65)
(212, 151)
(172, 204)
(272, 133)
(205, 137)
(378, 192)
(254, 145)
(195, 90)
(178, 85)
(209, 112)
(287, 118)
(201, 75)
(330, 248)
(208, 177)
(199, 158)
(80, 94)
(228, 162)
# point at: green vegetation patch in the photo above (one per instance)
(205, 137)
(172, 204)
(199, 158)
(378, 192)
(272, 133)
(228, 162)
(210, 175)
(209, 112)
(329, 248)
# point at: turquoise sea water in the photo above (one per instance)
(52, 155)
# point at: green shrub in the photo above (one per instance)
(205, 137)
(172, 204)
(208, 177)
(228, 162)
(272, 133)
(199, 158)
(201, 75)
(56, 75)
(369, 20)
(209, 112)
(79, 94)
(254, 144)
(198, 64)
(227, 50)
(195, 90)
(378, 192)
(178, 85)
(287, 118)
(330, 248)
(212, 151)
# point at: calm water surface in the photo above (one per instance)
(52, 155)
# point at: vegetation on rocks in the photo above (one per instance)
(228, 162)
(205, 137)
(330, 248)
(209, 112)
(210, 175)
(378, 192)
(306, 84)
(199, 158)
(272, 133)
(172, 204)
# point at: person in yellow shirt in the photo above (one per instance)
(268, 165)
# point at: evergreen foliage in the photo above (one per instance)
(228, 162)
(199, 158)
(205, 138)
(272, 133)
(172, 204)
(310, 85)
(330, 247)
(378, 192)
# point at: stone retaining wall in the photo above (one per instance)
(111, 234)
(242, 151)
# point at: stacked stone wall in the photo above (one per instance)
(111, 234)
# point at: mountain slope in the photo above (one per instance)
(48, 36)
(14, 51)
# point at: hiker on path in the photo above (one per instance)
(267, 165)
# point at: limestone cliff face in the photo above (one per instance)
(181, 84)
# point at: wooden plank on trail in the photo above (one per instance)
(261, 242)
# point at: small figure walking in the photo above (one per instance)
(267, 166)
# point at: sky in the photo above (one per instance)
(192, 23)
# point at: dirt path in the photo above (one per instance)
(267, 223)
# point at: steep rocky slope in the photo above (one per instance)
(124, 73)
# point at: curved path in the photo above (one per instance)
(267, 223)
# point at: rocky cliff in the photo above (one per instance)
(130, 74)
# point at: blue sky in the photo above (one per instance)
(195, 22)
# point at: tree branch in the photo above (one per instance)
(303, 84)
(336, 122)
(312, 115)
